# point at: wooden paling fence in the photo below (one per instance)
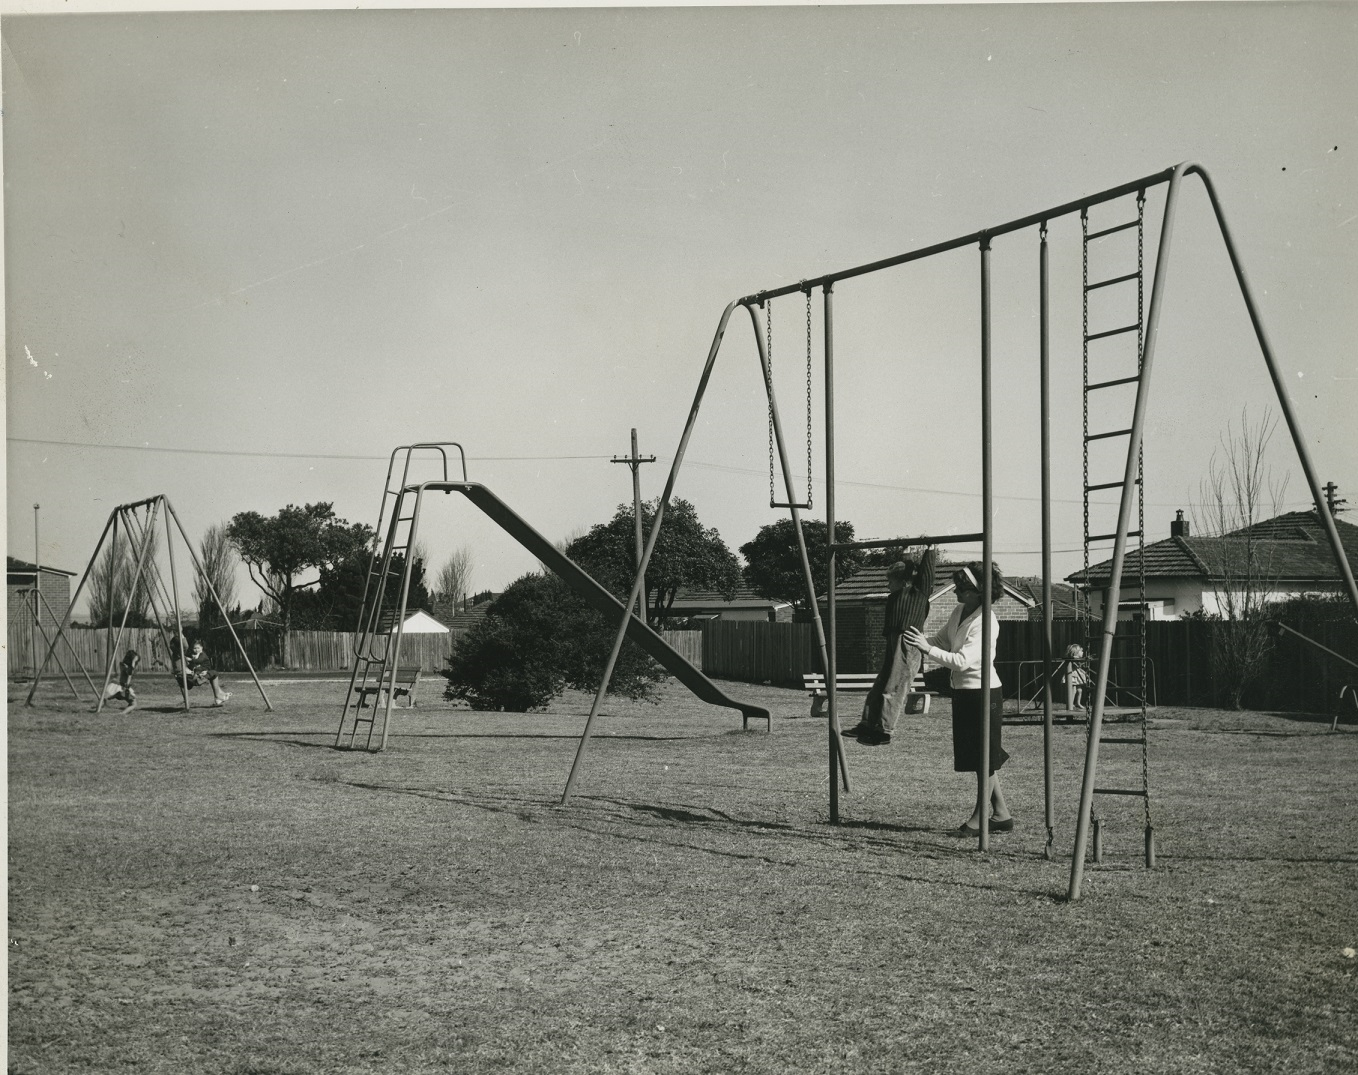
(1296, 677)
(311, 651)
(760, 652)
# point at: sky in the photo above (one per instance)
(248, 253)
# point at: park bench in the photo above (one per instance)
(407, 679)
(860, 683)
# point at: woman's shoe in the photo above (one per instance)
(966, 830)
(1007, 825)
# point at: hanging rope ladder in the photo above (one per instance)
(1139, 736)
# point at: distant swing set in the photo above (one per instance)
(136, 523)
(1128, 482)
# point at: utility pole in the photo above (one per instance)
(634, 461)
(1334, 503)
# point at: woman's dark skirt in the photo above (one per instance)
(966, 730)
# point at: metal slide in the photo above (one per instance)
(596, 596)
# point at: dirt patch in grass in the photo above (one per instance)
(223, 891)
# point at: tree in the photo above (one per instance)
(1236, 495)
(111, 585)
(219, 562)
(537, 639)
(773, 563)
(687, 555)
(279, 550)
(454, 580)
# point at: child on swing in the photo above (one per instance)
(122, 690)
(197, 671)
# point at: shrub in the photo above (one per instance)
(537, 639)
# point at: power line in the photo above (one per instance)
(272, 455)
(553, 458)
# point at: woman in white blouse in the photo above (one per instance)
(958, 648)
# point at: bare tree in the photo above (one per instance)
(453, 582)
(218, 558)
(111, 585)
(1239, 492)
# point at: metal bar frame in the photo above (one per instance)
(1173, 177)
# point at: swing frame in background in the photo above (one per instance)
(826, 638)
(125, 516)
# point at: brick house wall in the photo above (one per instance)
(56, 590)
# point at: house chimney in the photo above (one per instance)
(1179, 526)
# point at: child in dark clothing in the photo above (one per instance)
(197, 671)
(907, 606)
(122, 690)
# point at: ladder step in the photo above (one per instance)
(1105, 436)
(1105, 537)
(1109, 231)
(1113, 332)
(1110, 384)
(1140, 794)
(1109, 485)
(1114, 280)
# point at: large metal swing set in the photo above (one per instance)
(136, 524)
(1129, 483)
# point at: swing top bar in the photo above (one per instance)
(984, 236)
(898, 543)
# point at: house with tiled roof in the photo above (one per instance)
(1187, 575)
(743, 604)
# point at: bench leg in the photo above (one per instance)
(817, 705)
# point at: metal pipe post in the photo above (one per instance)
(1044, 364)
(987, 547)
(836, 749)
(1110, 612)
(178, 619)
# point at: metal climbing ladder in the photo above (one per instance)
(386, 587)
(1103, 360)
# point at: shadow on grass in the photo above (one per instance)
(648, 816)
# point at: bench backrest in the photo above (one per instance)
(816, 680)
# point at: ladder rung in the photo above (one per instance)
(1105, 537)
(1105, 436)
(1113, 332)
(1109, 231)
(1135, 741)
(1109, 485)
(1119, 791)
(1114, 280)
(1110, 384)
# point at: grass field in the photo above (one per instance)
(221, 891)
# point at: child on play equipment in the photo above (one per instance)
(909, 583)
(122, 690)
(197, 671)
(1073, 673)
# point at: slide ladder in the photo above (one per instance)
(386, 588)
(386, 657)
